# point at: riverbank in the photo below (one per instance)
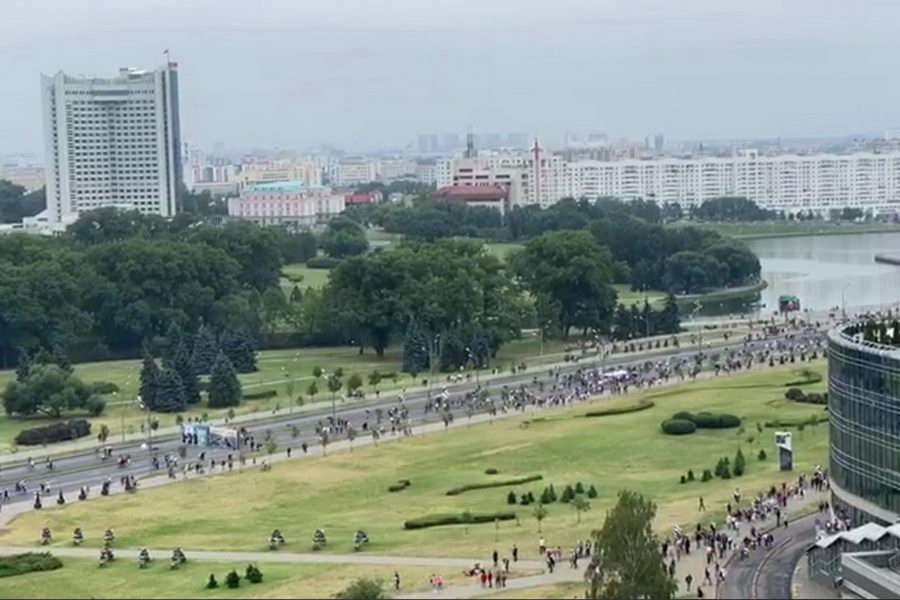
(722, 294)
(783, 229)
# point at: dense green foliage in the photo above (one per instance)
(57, 432)
(224, 388)
(458, 519)
(492, 484)
(678, 426)
(732, 209)
(626, 562)
(50, 390)
(344, 238)
(29, 562)
(364, 589)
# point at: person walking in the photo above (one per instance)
(496, 557)
(396, 581)
(688, 579)
(515, 553)
(702, 506)
(542, 546)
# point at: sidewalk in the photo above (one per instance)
(562, 575)
(695, 562)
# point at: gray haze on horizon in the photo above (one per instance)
(291, 73)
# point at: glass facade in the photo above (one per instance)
(864, 402)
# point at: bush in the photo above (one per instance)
(567, 494)
(644, 404)
(706, 420)
(480, 486)
(815, 398)
(740, 464)
(723, 468)
(233, 580)
(690, 475)
(761, 455)
(263, 395)
(592, 492)
(253, 575)
(683, 415)
(29, 562)
(579, 489)
(785, 423)
(401, 485)
(58, 432)
(707, 475)
(491, 471)
(795, 394)
(683, 479)
(103, 387)
(678, 426)
(458, 519)
(806, 377)
(511, 497)
(212, 584)
(95, 405)
(322, 262)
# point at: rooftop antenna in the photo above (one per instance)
(470, 143)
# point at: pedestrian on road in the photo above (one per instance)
(496, 557)
(699, 592)
(542, 546)
(688, 579)
(702, 506)
(396, 581)
(515, 553)
(506, 564)
(288, 451)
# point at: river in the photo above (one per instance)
(824, 271)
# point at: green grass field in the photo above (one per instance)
(82, 578)
(316, 278)
(345, 492)
(627, 296)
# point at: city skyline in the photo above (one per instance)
(363, 76)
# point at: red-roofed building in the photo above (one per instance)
(367, 198)
(492, 196)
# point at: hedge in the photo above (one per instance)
(492, 484)
(678, 426)
(811, 377)
(103, 387)
(322, 262)
(797, 395)
(263, 395)
(58, 432)
(643, 404)
(463, 518)
(705, 420)
(779, 423)
(401, 485)
(30, 562)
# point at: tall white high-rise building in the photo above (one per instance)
(112, 142)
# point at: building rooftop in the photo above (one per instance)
(280, 186)
(472, 193)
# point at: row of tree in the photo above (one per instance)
(15, 203)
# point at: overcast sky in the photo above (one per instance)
(291, 73)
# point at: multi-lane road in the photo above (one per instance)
(87, 469)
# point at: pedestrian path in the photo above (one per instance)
(563, 575)
(275, 556)
(694, 564)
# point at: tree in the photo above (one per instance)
(539, 513)
(149, 381)
(312, 390)
(212, 584)
(511, 497)
(580, 504)
(568, 494)
(254, 248)
(176, 340)
(49, 390)
(185, 368)
(344, 238)
(572, 273)
(354, 382)
(626, 562)
(740, 464)
(275, 307)
(592, 492)
(239, 347)
(334, 384)
(23, 364)
(169, 395)
(416, 358)
(253, 574)
(205, 350)
(224, 388)
(668, 320)
(374, 379)
(364, 589)
(233, 580)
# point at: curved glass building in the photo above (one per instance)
(864, 401)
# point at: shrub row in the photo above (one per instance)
(103, 387)
(643, 404)
(322, 262)
(808, 377)
(58, 432)
(797, 395)
(263, 395)
(30, 562)
(401, 485)
(491, 484)
(705, 420)
(678, 426)
(811, 421)
(491, 471)
(458, 519)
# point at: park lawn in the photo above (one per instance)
(345, 492)
(627, 296)
(550, 592)
(312, 278)
(82, 578)
(502, 250)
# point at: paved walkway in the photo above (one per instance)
(275, 556)
(695, 562)
(562, 575)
